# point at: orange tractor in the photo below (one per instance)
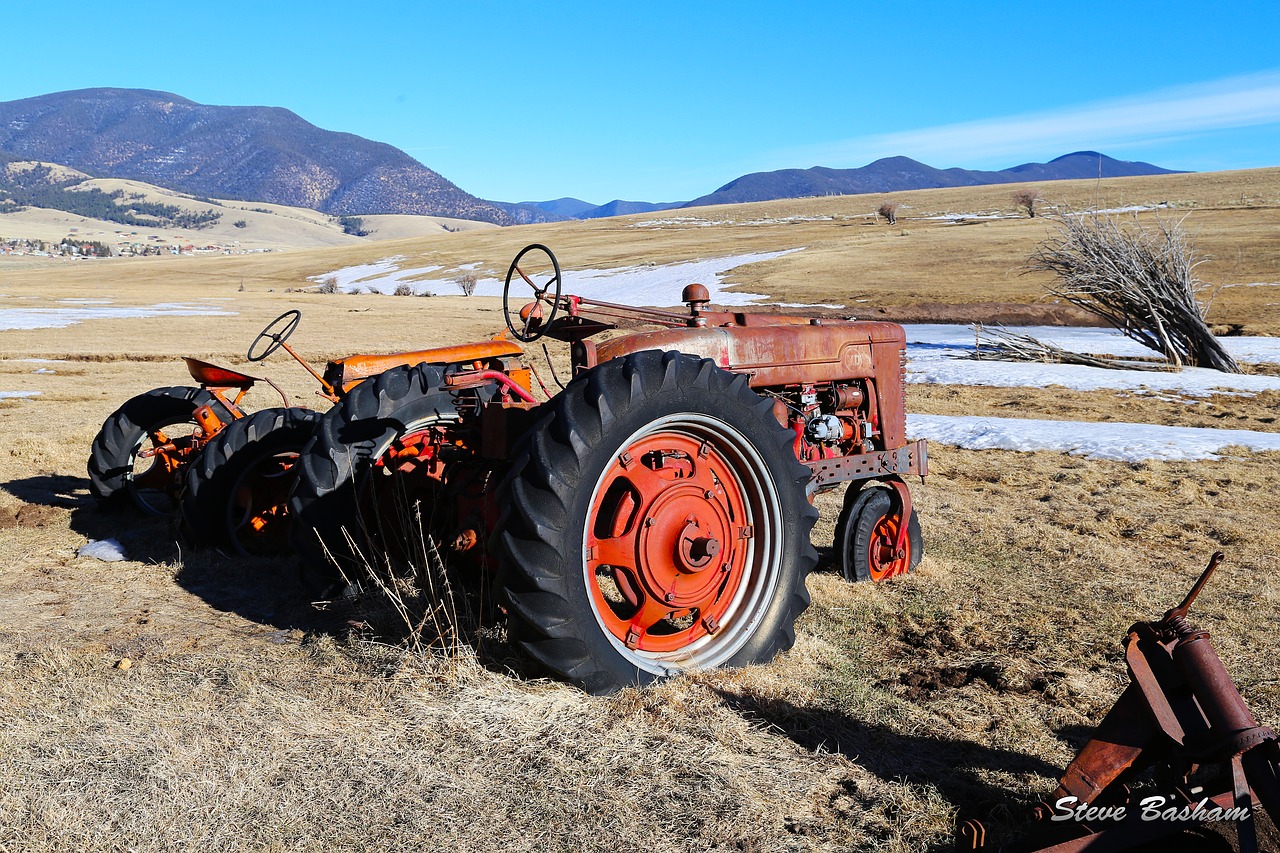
(230, 470)
(651, 517)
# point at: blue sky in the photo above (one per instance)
(666, 101)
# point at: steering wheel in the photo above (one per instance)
(275, 334)
(532, 325)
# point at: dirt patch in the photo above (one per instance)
(30, 515)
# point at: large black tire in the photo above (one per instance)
(861, 532)
(336, 529)
(238, 489)
(114, 456)
(574, 485)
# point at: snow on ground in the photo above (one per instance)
(12, 395)
(1123, 442)
(658, 285)
(107, 550)
(934, 351)
(58, 318)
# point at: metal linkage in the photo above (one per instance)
(1181, 711)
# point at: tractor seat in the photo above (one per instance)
(219, 377)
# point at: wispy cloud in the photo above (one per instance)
(1234, 102)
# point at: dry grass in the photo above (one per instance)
(248, 720)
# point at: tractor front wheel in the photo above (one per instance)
(867, 534)
(654, 521)
(144, 447)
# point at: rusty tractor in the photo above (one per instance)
(1181, 715)
(651, 517)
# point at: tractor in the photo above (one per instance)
(200, 449)
(651, 517)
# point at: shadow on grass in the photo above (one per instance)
(274, 591)
(949, 765)
(953, 767)
(263, 590)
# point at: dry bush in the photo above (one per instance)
(467, 283)
(1139, 278)
(1027, 200)
(403, 289)
(889, 212)
(329, 285)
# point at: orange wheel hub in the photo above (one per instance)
(884, 558)
(666, 547)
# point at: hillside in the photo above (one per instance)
(250, 153)
(43, 202)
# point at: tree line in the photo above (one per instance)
(38, 188)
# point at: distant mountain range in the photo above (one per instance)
(902, 173)
(270, 154)
(248, 153)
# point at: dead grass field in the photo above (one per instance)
(248, 721)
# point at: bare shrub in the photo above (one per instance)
(403, 289)
(467, 283)
(408, 598)
(1027, 200)
(1137, 277)
(329, 285)
(889, 212)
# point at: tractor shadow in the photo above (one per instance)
(268, 591)
(275, 591)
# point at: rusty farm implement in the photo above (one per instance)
(1181, 715)
(652, 516)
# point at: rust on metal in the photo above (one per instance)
(222, 377)
(1181, 710)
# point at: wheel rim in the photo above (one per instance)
(258, 512)
(154, 481)
(882, 558)
(680, 555)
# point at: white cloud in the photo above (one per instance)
(1245, 101)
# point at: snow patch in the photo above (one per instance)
(935, 356)
(17, 395)
(658, 285)
(58, 318)
(107, 550)
(1123, 442)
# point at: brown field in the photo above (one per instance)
(248, 720)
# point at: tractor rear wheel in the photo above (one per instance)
(237, 494)
(369, 477)
(867, 533)
(654, 521)
(161, 420)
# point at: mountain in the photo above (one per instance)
(264, 154)
(569, 208)
(618, 207)
(903, 173)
